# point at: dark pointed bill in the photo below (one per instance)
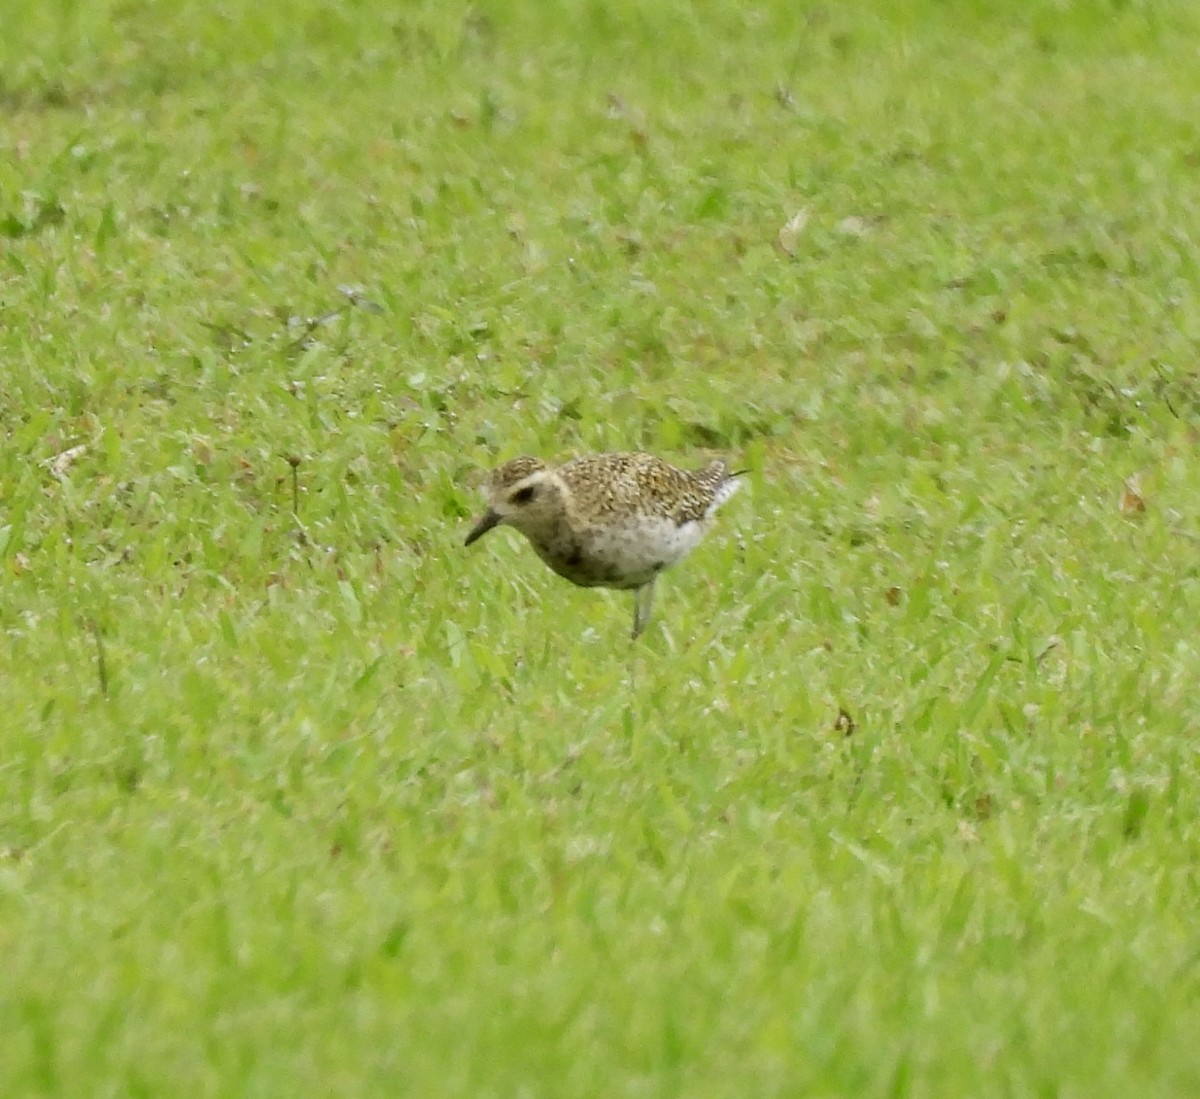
(489, 520)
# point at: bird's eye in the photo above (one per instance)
(524, 495)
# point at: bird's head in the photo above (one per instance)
(522, 493)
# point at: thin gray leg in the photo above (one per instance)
(644, 600)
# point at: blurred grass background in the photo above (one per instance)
(896, 796)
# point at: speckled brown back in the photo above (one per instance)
(604, 486)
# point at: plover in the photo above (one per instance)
(608, 520)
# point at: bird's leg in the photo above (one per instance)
(643, 601)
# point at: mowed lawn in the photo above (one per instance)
(897, 795)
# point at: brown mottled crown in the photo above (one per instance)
(511, 472)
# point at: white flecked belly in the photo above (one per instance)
(623, 555)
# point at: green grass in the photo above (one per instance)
(323, 804)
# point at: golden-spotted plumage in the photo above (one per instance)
(608, 520)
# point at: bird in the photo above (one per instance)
(608, 520)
